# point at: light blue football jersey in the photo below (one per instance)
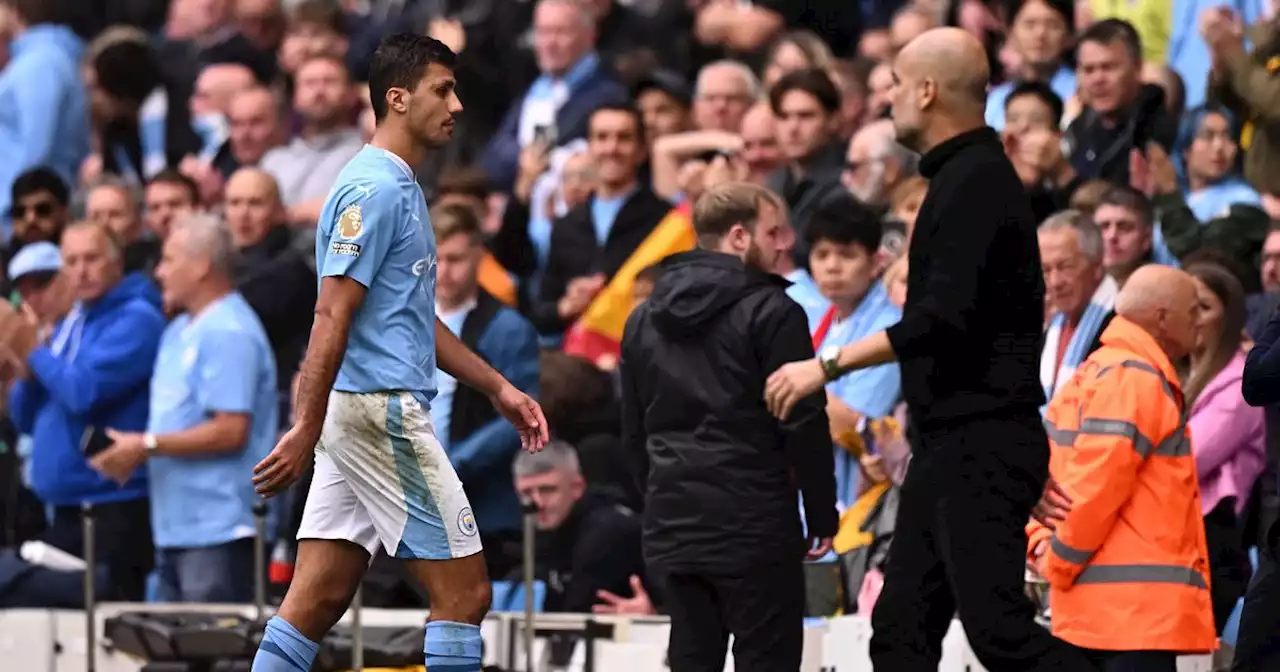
(375, 230)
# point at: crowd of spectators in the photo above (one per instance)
(169, 156)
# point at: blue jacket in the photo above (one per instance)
(44, 114)
(596, 87)
(105, 385)
(482, 443)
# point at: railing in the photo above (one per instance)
(33, 640)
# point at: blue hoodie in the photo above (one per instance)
(101, 380)
(44, 113)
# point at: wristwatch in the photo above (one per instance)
(829, 359)
(150, 443)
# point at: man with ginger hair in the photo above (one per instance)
(1128, 567)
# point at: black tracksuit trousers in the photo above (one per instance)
(763, 609)
(1258, 641)
(960, 546)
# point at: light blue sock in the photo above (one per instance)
(452, 647)
(284, 649)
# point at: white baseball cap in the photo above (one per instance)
(39, 257)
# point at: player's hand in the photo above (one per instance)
(791, 383)
(819, 547)
(522, 411)
(286, 462)
(1054, 505)
(638, 604)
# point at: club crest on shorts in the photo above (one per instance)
(467, 522)
(351, 222)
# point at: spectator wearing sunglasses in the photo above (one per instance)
(39, 212)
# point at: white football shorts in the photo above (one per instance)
(382, 478)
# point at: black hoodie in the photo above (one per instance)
(719, 472)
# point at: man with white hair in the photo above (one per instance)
(876, 163)
(212, 417)
(1079, 292)
(725, 90)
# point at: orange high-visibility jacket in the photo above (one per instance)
(1128, 569)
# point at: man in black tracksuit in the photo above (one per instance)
(722, 528)
(969, 343)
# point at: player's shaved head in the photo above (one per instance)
(1162, 300)
(941, 87)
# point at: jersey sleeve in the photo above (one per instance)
(363, 225)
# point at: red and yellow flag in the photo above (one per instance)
(597, 335)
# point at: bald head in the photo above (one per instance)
(954, 59)
(252, 206)
(253, 179)
(1161, 300)
(218, 84)
(941, 88)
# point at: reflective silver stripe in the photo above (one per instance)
(1101, 427)
(1184, 576)
(1072, 555)
(1062, 437)
(1143, 366)
(1122, 428)
(1178, 444)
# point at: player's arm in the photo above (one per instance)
(340, 298)
(456, 359)
(362, 230)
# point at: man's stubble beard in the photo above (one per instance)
(755, 259)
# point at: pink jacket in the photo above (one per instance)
(1227, 438)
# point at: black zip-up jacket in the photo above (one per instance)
(970, 336)
(720, 474)
(596, 548)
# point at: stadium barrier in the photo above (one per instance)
(33, 640)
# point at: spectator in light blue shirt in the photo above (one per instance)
(46, 119)
(213, 417)
(844, 244)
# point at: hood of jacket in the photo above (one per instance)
(697, 287)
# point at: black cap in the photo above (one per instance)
(667, 82)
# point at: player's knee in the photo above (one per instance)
(465, 603)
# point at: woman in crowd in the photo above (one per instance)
(796, 50)
(1227, 434)
(1199, 194)
(1205, 154)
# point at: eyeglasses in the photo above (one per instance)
(41, 209)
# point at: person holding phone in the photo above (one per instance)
(91, 372)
